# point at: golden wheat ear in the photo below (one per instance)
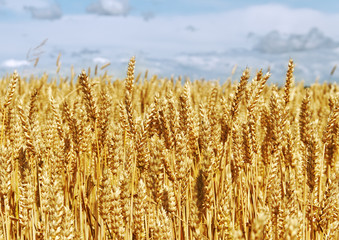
(288, 82)
(88, 98)
(129, 84)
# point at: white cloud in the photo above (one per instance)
(204, 62)
(39, 9)
(100, 60)
(50, 12)
(109, 7)
(13, 63)
(276, 43)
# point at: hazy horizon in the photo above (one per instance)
(197, 39)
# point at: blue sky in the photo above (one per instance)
(182, 6)
(196, 38)
(197, 6)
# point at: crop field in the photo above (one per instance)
(143, 157)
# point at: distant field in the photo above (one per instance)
(149, 158)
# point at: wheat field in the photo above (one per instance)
(154, 158)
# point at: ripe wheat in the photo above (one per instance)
(150, 158)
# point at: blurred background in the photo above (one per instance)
(194, 38)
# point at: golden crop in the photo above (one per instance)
(150, 158)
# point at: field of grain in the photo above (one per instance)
(149, 158)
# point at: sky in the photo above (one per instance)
(194, 38)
